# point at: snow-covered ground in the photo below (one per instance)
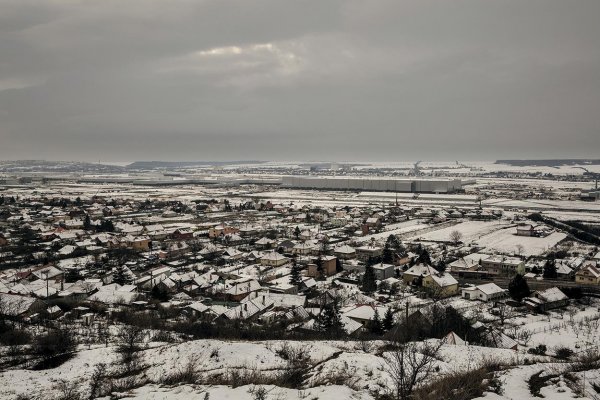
(470, 231)
(506, 241)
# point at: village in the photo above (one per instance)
(112, 265)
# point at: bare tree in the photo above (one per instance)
(455, 236)
(520, 249)
(410, 364)
(130, 337)
(503, 311)
(524, 335)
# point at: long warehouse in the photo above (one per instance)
(374, 184)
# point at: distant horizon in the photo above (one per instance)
(258, 161)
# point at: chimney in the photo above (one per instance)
(263, 299)
(245, 306)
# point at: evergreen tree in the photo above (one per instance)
(369, 285)
(387, 256)
(339, 267)
(295, 275)
(518, 287)
(376, 327)
(87, 223)
(440, 267)
(106, 226)
(424, 257)
(325, 246)
(418, 281)
(319, 263)
(388, 319)
(72, 275)
(158, 292)
(121, 276)
(329, 321)
(550, 270)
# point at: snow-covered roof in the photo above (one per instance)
(551, 295)
(248, 309)
(487, 288)
(444, 280)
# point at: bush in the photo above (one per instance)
(54, 343)
(563, 353)
(536, 382)
(15, 337)
(540, 350)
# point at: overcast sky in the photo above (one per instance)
(299, 80)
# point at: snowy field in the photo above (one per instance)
(366, 370)
(506, 241)
(470, 230)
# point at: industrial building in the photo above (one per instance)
(374, 184)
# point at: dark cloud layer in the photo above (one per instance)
(346, 80)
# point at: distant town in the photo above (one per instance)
(141, 263)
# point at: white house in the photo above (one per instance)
(485, 292)
(383, 271)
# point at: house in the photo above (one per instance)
(547, 299)
(502, 265)
(115, 294)
(232, 254)
(525, 230)
(470, 262)
(350, 326)
(221, 230)
(273, 259)
(363, 253)
(364, 313)
(500, 340)
(264, 243)
(383, 271)
(344, 252)
(183, 234)
(589, 274)
(328, 267)
(137, 243)
(416, 272)
(238, 289)
(279, 300)
(286, 246)
(19, 306)
(249, 310)
(442, 284)
(49, 274)
(485, 292)
(304, 248)
(454, 339)
(373, 222)
(564, 269)
(203, 311)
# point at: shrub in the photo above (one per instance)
(536, 382)
(563, 353)
(540, 350)
(54, 343)
(15, 337)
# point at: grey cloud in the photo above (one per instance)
(389, 80)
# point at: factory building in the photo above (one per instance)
(374, 184)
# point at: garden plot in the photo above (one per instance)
(506, 241)
(470, 230)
